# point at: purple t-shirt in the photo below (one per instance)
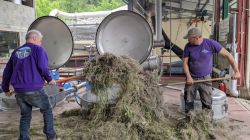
(200, 57)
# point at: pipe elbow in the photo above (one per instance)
(54, 12)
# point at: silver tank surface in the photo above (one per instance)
(152, 63)
(125, 33)
(89, 98)
(57, 39)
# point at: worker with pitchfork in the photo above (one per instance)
(197, 64)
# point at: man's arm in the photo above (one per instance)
(186, 70)
(230, 59)
(42, 64)
(7, 73)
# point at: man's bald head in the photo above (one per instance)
(34, 36)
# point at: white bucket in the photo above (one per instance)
(219, 104)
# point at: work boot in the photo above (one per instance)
(209, 113)
(55, 138)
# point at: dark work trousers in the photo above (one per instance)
(205, 90)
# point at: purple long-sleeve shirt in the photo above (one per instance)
(26, 69)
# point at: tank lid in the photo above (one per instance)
(125, 33)
(57, 39)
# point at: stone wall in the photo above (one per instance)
(16, 18)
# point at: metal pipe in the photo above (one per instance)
(232, 2)
(170, 43)
(216, 70)
(69, 90)
(56, 12)
(158, 20)
(140, 8)
(233, 83)
(213, 20)
(130, 5)
(74, 88)
(81, 85)
(126, 1)
(248, 51)
(242, 44)
(239, 35)
(153, 62)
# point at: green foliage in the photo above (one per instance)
(108, 5)
(43, 7)
(74, 5)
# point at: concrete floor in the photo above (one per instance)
(238, 118)
(237, 111)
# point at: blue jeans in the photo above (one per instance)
(38, 99)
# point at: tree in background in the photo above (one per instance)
(72, 6)
(43, 7)
(93, 1)
(108, 5)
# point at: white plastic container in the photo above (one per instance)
(219, 104)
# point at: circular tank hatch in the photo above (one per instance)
(125, 33)
(57, 39)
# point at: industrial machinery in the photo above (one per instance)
(125, 32)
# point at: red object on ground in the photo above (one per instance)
(222, 87)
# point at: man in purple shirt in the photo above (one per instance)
(27, 70)
(197, 64)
